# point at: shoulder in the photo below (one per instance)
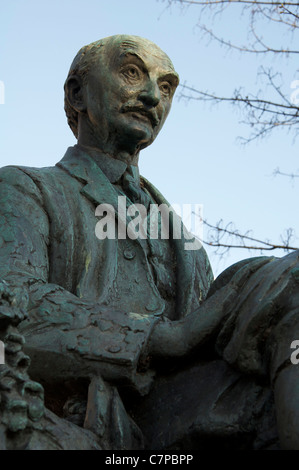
(15, 179)
(30, 179)
(15, 175)
(22, 181)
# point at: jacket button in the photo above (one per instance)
(129, 254)
(113, 349)
(151, 307)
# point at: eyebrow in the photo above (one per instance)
(128, 52)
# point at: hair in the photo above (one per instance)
(81, 65)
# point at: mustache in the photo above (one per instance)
(150, 114)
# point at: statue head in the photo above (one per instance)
(119, 92)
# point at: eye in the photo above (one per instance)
(132, 72)
(165, 88)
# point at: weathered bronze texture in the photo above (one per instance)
(123, 343)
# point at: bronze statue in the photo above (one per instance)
(134, 343)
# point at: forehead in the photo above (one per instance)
(149, 53)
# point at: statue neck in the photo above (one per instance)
(124, 157)
(100, 141)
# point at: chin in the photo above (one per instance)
(145, 143)
(141, 136)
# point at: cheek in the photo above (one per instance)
(165, 108)
(121, 92)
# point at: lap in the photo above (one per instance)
(207, 405)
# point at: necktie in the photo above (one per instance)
(132, 188)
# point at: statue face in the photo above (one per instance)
(129, 92)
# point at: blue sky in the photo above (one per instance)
(196, 158)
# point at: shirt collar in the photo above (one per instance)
(112, 168)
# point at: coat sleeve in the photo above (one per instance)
(67, 337)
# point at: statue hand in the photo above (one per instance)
(179, 338)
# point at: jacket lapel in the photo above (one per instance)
(98, 188)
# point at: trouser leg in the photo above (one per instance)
(204, 406)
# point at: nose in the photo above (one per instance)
(150, 95)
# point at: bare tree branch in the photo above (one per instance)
(265, 110)
(264, 50)
(281, 173)
(228, 237)
(245, 2)
(263, 115)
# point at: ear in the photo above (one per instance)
(74, 91)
